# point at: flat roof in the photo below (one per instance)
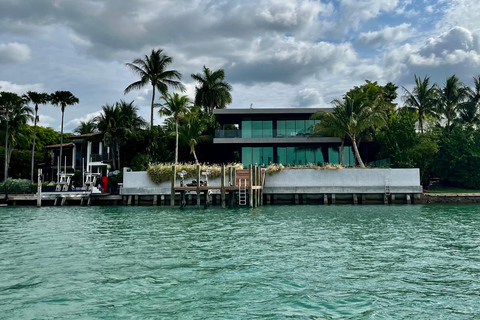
(255, 111)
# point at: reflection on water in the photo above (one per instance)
(310, 262)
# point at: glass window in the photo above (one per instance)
(300, 126)
(267, 129)
(290, 156)
(290, 124)
(309, 126)
(310, 156)
(281, 129)
(246, 129)
(319, 157)
(256, 129)
(300, 154)
(246, 156)
(282, 156)
(348, 157)
(267, 156)
(333, 155)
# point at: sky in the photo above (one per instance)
(275, 53)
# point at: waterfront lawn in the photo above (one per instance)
(453, 190)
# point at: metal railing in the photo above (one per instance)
(247, 134)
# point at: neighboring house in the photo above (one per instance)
(282, 136)
(86, 152)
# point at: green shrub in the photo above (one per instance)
(18, 186)
(162, 172)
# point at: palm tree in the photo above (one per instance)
(86, 127)
(175, 106)
(63, 99)
(451, 96)
(214, 91)
(117, 122)
(423, 98)
(35, 98)
(15, 116)
(469, 111)
(355, 116)
(190, 132)
(330, 125)
(152, 70)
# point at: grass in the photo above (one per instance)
(453, 190)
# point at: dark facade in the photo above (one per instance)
(282, 136)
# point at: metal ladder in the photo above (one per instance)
(242, 192)
(387, 186)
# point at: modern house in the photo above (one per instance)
(282, 136)
(86, 152)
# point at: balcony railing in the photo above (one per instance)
(226, 134)
(99, 157)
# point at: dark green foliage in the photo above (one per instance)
(458, 160)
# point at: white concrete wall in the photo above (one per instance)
(302, 181)
(343, 181)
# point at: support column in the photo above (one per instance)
(333, 198)
(39, 188)
(155, 200)
(355, 199)
(172, 192)
(325, 198)
(250, 181)
(198, 187)
(222, 187)
(409, 200)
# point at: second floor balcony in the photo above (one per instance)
(100, 157)
(226, 134)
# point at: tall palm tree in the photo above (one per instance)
(451, 96)
(15, 116)
(355, 115)
(35, 98)
(423, 98)
(213, 91)
(469, 111)
(86, 127)
(175, 106)
(330, 125)
(117, 122)
(152, 70)
(63, 99)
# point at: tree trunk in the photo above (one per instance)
(61, 144)
(357, 154)
(176, 141)
(114, 164)
(118, 157)
(151, 108)
(5, 176)
(33, 148)
(195, 155)
(420, 121)
(341, 150)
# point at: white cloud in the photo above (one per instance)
(358, 11)
(45, 121)
(72, 124)
(388, 35)
(309, 97)
(20, 88)
(14, 52)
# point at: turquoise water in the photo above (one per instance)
(275, 262)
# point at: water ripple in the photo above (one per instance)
(301, 262)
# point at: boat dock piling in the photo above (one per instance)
(253, 178)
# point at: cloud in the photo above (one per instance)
(45, 121)
(309, 97)
(14, 52)
(388, 35)
(72, 124)
(357, 11)
(20, 88)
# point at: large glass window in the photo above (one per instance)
(246, 156)
(319, 157)
(256, 129)
(282, 156)
(310, 156)
(333, 155)
(290, 124)
(300, 127)
(290, 156)
(281, 129)
(267, 129)
(246, 129)
(300, 155)
(267, 156)
(309, 124)
(257, 156)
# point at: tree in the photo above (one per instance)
(469, 111)
(63, 99)
(117, 122)
(35, 98)
(356, 116)
(423, 99)
(175, 106)
(332, 126)
(86, 127)
(451, 96)
(190, 132)
(14, 118)
(214, 91)
(152, 70)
